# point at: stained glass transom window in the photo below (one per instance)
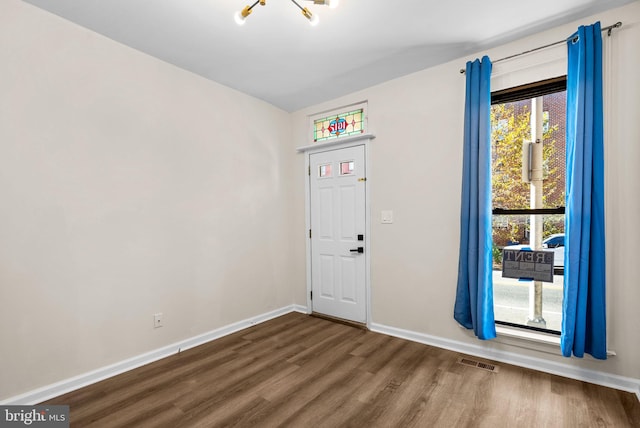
(340, 125)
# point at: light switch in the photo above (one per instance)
(387, 217)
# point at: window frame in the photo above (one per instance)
(337, 111)
(513, 94)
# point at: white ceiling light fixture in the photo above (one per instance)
(241, 16)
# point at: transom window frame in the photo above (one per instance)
(337, 112)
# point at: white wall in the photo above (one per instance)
(127, 187)
(416, 162)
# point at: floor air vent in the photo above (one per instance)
(484, 366)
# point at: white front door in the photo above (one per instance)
(338, 275)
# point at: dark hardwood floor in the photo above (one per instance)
(303, 371)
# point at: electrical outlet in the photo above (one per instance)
(157, 320)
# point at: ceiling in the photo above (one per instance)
(278, 57)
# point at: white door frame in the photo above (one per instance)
(359, 140)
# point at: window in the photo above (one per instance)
(324, 170)
(339, 125)
(346, 168)
(528, 197)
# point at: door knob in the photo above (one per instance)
(357, 250)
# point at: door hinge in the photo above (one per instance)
(309, 170)
(311, 294)
(309, 233)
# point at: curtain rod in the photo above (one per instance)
(607, 29)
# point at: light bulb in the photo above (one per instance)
(239, 18)
(313, 19)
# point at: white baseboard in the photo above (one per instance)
(50, 391)
(592, 376)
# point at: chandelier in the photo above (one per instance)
(313, 19)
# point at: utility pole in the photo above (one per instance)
(536, 221)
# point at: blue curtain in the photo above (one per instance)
(474, 296)
(583, 314)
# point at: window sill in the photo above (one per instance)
(549, 343)
(528, 339)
